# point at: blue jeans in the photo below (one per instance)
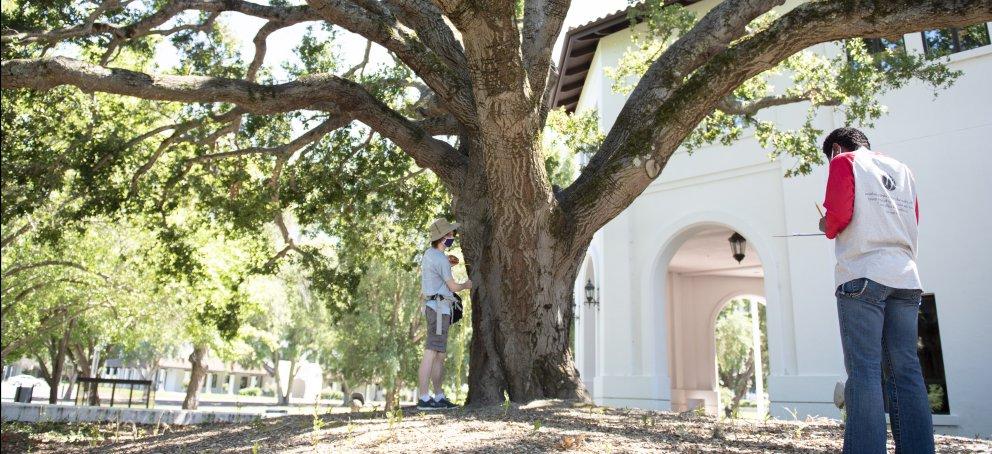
(878, 329)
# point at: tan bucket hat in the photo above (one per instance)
(441, 227)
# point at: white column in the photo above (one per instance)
(759, 385)
(209, 383)
(230, 384)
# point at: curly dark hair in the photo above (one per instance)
(849, 138)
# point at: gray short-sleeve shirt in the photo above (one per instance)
(435, 271)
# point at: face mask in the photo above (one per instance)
(836, 150)
(448, 242)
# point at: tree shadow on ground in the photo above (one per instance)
(532, 428)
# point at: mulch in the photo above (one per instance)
(543, 426)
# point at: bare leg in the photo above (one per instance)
(437, 371)
(426, 369)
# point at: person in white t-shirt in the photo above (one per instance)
(872, 216)
(438, 289)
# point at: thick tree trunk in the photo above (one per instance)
(196, 374)
(522, 305)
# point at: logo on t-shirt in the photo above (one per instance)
(888, 182)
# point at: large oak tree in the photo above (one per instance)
(487, 77)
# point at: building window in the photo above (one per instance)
(882, 50)
(947, 41)
(931, 356)
(878, 45)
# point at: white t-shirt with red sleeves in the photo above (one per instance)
(873, 214)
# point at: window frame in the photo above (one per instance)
(955, 41)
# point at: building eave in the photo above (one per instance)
(580, 47)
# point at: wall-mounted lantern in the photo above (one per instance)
(591, 297)
(737, 246)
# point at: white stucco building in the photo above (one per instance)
(663, 268)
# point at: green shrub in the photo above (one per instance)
(253, 391)
(329, 394)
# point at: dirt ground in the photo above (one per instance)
(539, 427)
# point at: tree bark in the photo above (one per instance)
(82, 359)
(392, 393)
(345, 394)
(273, 371)
(284, 396)
(740, 385)
(73, 374)
(58, 364)
(197, 372)
(522, 304)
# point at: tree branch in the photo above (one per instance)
(542, 24)
(451, 83)
(286, 149)
(168, 11)
(637, 149)
(342, 94)
(179, 130)
(16, 269)
(733, 106)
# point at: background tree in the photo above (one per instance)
(288, 324)
(485, 77)
(735, 353)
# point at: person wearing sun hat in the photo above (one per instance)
(437, 288)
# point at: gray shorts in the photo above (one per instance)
(436, 342)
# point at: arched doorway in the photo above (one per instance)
(702, 276)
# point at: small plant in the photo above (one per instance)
(537, 424)
(254, 448)
(506, 403)
(394, 416)
(318, 425)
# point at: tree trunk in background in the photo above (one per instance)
(73, 374)
(58, 364)
(82, 359)
(740, 385)
(284, 395)
(392, 395)
(197, 372)
(345, 394)
(273, 371)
